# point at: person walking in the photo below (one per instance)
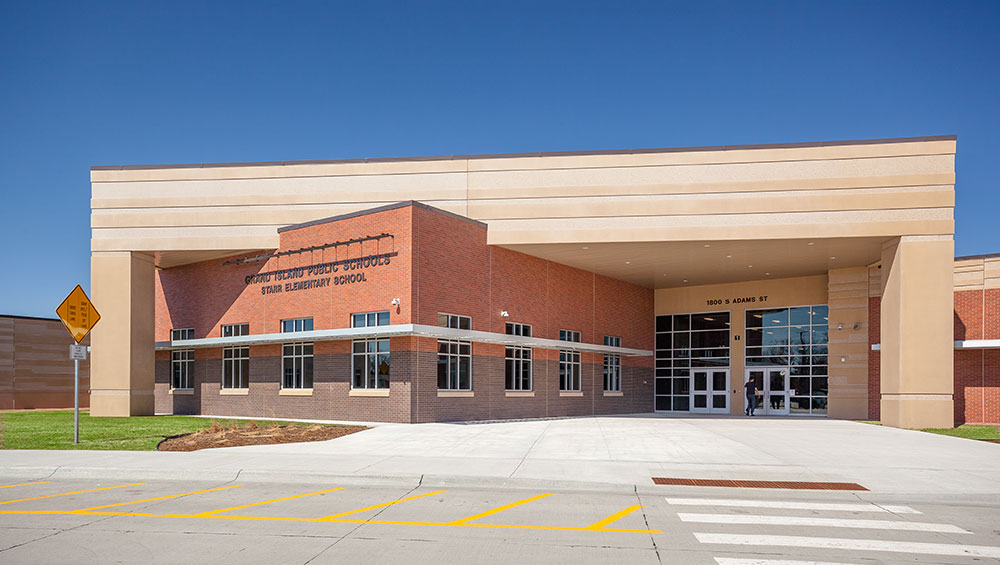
(752, 390)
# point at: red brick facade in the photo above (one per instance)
(874, 358)
(438, 263)
(977, 371)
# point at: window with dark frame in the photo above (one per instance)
(181, 334)
(236, 359)
(517, 360)
(686, 342)
(454, 368)
(612, 366)
(370, 319)
(181, 364)
(569, 364)
(297, 358)
(796, 337)
(370, 357)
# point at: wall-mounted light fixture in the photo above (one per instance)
(857, 326)
(843, 359)
(840, 326)
(504, 314)
(395, 302)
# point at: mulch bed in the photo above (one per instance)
(253, 435)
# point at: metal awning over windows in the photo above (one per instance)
(399, 330)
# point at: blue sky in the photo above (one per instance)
(96, 83)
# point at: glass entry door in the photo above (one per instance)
(710, 391)
(773, 384)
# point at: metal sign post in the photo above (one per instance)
(77, 353)
(76, 401)
(79, 316)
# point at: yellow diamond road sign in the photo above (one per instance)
(78, 314)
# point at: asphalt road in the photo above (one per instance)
(191, 521)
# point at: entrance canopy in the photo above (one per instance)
(662, 218)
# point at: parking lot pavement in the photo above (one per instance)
(612, 452)
(62, 521)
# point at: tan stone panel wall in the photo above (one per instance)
(977, 274)
(869, 223)
(991, 272)
(917, 335)
(848, 300)
(257, 170)
(185, 238)
(879, 189)
(799, 291)
(705, 156)
(874, 281)
(122, 357)
(312, 190)
(969, 274)
(902, 171)
(718, 203)
(710, 156)
(270, 216)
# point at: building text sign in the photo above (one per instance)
(737, 300)
(344, 272)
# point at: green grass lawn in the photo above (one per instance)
(968, 431)
(53, 429)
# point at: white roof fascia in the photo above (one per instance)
(977, 344)
(395, 331)
(504, 339)
(962, 344)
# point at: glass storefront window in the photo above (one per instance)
(796, 338)
(683, 342)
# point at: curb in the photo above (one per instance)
(290, 475)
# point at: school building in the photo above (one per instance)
(484, 287)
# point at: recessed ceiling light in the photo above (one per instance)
(767, 273)
(832, 257)
(628, 262)
(729, 256)
(707, 245)
(685, 280)
(811, 243)
(749, 266)
(585, 247)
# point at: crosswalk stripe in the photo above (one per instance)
(793, 505)
(823, 522)
(738, 561)
(852, 544)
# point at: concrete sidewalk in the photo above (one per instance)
(610, 453)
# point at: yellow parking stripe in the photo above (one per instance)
(342, 521)
(383, 505)
(498, 509)
(69, 493)
(92, 508)
(599, 525)
(212, 512)
(26, 484)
